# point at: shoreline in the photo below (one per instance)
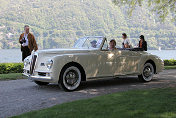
(14, 55)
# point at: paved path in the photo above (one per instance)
(19, 96)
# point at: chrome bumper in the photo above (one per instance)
(38, 78)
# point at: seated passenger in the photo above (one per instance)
(126, 42)
(112, 44)
(142, 43)
(94, 44)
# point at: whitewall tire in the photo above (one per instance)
(70, 78)
(147, 73)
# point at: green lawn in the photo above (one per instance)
(152, 103)
(11, 76)
(169, 67)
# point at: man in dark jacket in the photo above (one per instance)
(142, 43)
(28, 43)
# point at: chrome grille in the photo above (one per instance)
(32, 65)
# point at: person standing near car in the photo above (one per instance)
(28, 43)
(126, 42)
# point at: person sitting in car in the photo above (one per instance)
(93, 44)
(126, 42)
(112, 45)
(142, 43)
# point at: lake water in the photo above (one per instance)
(14, 55)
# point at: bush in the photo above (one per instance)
(170, 62)
(6, 68)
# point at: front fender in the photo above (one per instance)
(88, 61)
(157, 61)
(58, 64)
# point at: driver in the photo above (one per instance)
(94, 43)
(112, 44)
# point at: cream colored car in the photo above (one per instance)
(89, 59)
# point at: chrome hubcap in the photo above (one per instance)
(71, 77)
(147, 71)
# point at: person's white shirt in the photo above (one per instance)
(26, 43)
(125, 41)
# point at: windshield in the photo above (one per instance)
(88, 42)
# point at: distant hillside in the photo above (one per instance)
(58, 23)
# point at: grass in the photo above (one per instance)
(169, 67)
(11, 76)
(152, 103)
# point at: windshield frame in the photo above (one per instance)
(86, 38)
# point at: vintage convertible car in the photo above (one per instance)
(89, 59)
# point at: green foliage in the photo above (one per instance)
(57, 24)
(170, 62)
(160, 7)
(151, 103)
(6, 68)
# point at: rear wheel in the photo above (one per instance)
(41, 83)
(147, 73)
(70, 78)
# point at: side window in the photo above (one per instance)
(105, 45)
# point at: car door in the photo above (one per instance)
(126, 62)
(107, 62)
(135, 56)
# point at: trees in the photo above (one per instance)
(58, 24)
(160, 7)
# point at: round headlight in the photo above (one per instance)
(49, 64)
(26, 62)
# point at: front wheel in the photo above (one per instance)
(147, 73)
(70, 78)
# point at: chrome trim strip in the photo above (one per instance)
(39, 71)
(43, 71)
(40, 77)
(101, 77)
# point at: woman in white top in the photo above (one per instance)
(126, 42)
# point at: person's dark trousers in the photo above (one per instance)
(25, 52)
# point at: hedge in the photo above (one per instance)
(6, 68)
(170, 62)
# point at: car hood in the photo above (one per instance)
(63, 51)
